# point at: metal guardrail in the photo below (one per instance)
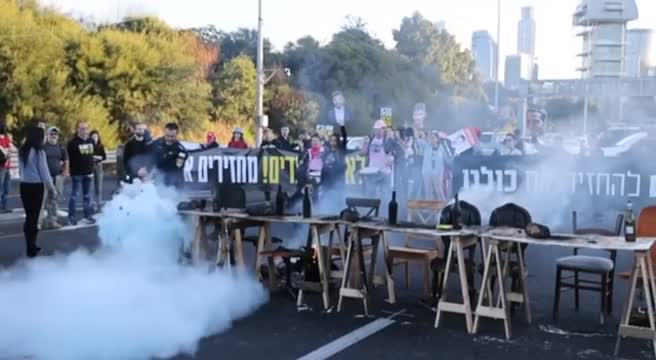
(111, 157)
(13, 162)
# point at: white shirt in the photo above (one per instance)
(339, 115)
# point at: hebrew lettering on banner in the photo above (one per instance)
(253, 167)
(609, 182)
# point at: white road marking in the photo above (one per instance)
(65, 228)
(351, 338)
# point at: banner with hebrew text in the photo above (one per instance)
(602, 182)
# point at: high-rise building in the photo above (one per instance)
(518, 68)
(526, 32)
(603, 34)
(639, 44)
(484, 50)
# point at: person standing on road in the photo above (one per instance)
(6, 147)
(99, 156)
(35, 178)
(169, 157)
(57, 159)
(81, 155)
(135, 154)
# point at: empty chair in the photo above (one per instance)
(592, 265)
(425, 212)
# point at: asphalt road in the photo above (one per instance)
(279, 331)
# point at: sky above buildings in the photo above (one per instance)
(288, 20)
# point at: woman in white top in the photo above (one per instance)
(35, 178)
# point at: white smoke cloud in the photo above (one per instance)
(551, 204)
(129, 300)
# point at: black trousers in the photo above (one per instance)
(32, 196)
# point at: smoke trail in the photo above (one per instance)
(129, 300)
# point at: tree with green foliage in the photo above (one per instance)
(420, 41)
(287, 106)
(234, 91)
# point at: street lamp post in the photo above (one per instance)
(497, 65)
(260, 76)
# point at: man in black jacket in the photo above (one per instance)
(135, 154)
(283, 142)
(80, 153)
(169, 157)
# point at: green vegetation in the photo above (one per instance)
(140, 69)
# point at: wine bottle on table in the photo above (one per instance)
(280, 201)
(456, 214)
(629, 223)
(393, 210)
(307, 204)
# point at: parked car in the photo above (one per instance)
(617, 140)
(355, 143)
(490, 141)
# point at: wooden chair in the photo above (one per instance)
(646, 227)
(425, 212)
(593, 265)
(355, 280)
(367, 208)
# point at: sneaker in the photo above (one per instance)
(5, 211)
(51, 226)
(88, 221)
(72, 221)
(62, 213)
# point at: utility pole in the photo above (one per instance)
(260, 76)
(497, 65)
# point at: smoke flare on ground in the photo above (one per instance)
(129, 300)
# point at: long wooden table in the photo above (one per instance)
(200, 245)
(318, 226)
(235, 219)
(460, 240)
(494, 266)
(643, 268)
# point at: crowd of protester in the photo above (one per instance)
(45, 161)
(414, 161)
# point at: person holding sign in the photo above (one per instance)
(434, 167)
(379, 169)
(339, 115)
